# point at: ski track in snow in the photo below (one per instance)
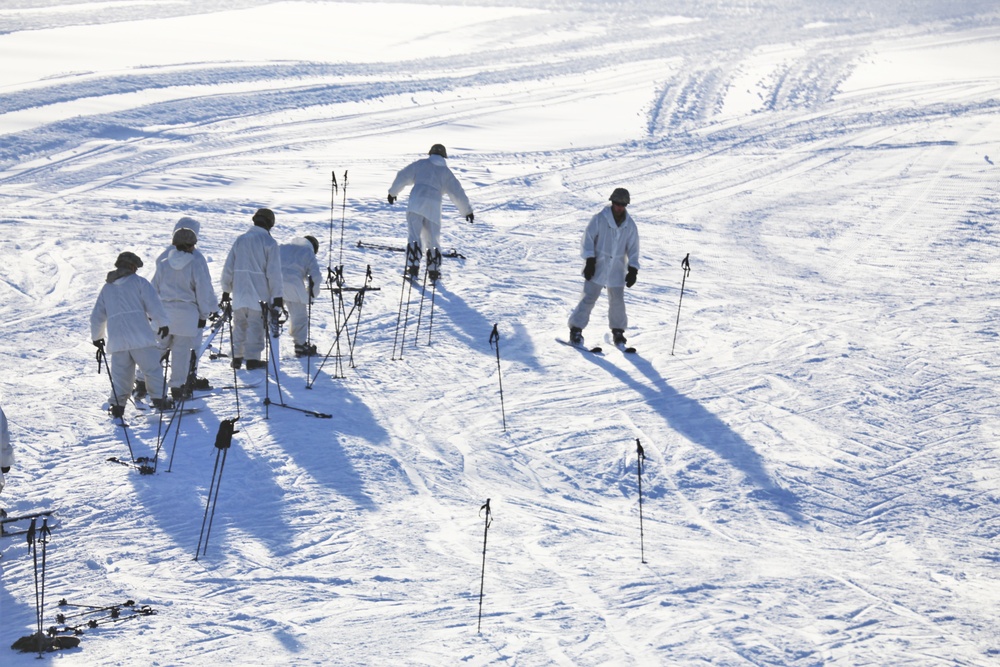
(820, 484)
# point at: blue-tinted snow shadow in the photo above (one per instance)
(474, 330)
(176, 495)
(690, 419)
(317, 444)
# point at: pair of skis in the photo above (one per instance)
(598, 349)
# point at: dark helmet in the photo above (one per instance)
(620, 196)
(128, 260)
(264, 217)
(184, 238)
(315, 243)
(438, 149)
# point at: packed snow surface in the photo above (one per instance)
(818, 408)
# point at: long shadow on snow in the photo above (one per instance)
(689, 418)
(475, 329)
(317, 446)
(177, 500)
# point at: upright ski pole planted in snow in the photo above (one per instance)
(36, 537)
(482, 576)
(640, 458)
(333, 202)
(223, 440)
(343, 216)
(495, 343)
(686, 266)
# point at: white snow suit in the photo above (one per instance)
(251, 274)
(615, 248)
(125, 307)
(6, 451)
(431, 179)
(185, 288)
(298, 265)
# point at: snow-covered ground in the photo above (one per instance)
(822, 476)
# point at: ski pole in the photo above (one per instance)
(309, 317)
(102, 356)
(223, 440)
(45, 533)
(495, 343)
(686, 266)
(412, 254)
(33, 548)
(482, 576)
(423, 291)
(430, 320)
(640, 458)
(360, 301)
(333, 202)
(343, 215)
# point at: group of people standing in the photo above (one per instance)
(144, 321)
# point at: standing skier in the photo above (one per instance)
(252, 275)
(299, 268)
(611, 254)
(125, 307)
(6, 451)
(431, 178)
(185, 287)
(195, 226)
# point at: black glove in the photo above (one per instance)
(201, 324)
(630, 276)
(163, 331)
(225, 299)
(99, 343)
(590, 268)
(471, 217)
(5, 469)
(278, 303)
(392, 199)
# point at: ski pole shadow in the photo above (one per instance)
(692, 420)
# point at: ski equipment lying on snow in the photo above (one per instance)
(7, 521)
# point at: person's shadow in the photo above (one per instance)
(690, 419)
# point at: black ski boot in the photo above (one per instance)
(236, 363)
(117, 411)
(139, 392)
(163, 404)
(618, 336)
(576, 335)
(180, 393)
(305, 349)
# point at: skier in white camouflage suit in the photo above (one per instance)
(185, 287)
(431, 179)
(611, 259)
(6, 451)
(126, 307)
(302, 277)
(252, 275)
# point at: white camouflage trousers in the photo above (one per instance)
(617, 318)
